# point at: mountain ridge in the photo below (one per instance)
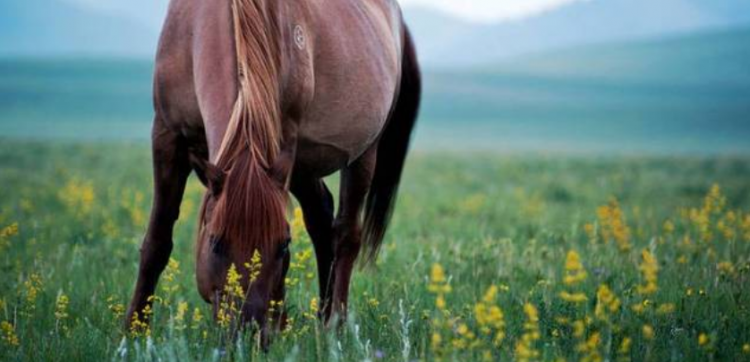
(53, 28)
(580, 23)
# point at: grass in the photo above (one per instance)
(673, 250)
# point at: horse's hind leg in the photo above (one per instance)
(317, 207)
(347, 242)
(171, 170)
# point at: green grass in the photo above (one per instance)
(487, 219)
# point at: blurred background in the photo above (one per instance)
(534, 76)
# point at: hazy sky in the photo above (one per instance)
(474, 10)
(490, 10)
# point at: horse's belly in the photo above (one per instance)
(356, 74)
(348, 124)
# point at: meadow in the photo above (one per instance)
(490, 257)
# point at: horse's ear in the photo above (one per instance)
(210, 175)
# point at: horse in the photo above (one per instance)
(262, 99)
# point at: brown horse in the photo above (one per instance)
(265, 97)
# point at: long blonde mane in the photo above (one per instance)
(250, 212)
(255, 121)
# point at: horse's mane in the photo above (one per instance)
(250, 211)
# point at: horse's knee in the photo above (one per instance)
(155, 255)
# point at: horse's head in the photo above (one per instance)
(243, 245)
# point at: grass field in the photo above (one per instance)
(490, 257)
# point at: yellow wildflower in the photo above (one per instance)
(726, 268)
(314, 305)
(649, 269)
(574, 270)
(668, 227)
(575, 274)
(666, 308)
(10, 230)
(169, 283)
(703, 340)
(473, 204)
(623, 352)
(440, 302)
(648, 332)
(613, 225)
(61, 307)
(746, 348)
(438, 282)
(590, 231)
(436, 341)
(466, 339)
(196, 319)
(573, 297)
(6, 233)
(714, 201)
(525, 347)
(439, 286)
(139, 326)
(607, 302)
(132, 201)
(78, 196)
(589, 349)
(254, 267)
(641, 307)
(490, 317)
(117, 309)
(298, 224)
(300, 265)
(726, 225)
(579, 328)
(109, 229)
(179, 317)
(713, 204)
(233, 295)
(746, 227)
(32, 286)
(61, 311)
(9, 334)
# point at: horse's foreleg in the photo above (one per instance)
(316, 202)
(171, 170)
(355, 184)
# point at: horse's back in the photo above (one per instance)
(356, 74)
(346, 68)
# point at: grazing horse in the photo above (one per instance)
(262, 98)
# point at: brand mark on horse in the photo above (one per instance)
(299, 37)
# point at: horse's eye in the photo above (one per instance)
(217, 246)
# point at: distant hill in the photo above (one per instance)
(671, 95)
(130, 28)
(42, 28)
(674, 95)
(447, 42)
(715, 57)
